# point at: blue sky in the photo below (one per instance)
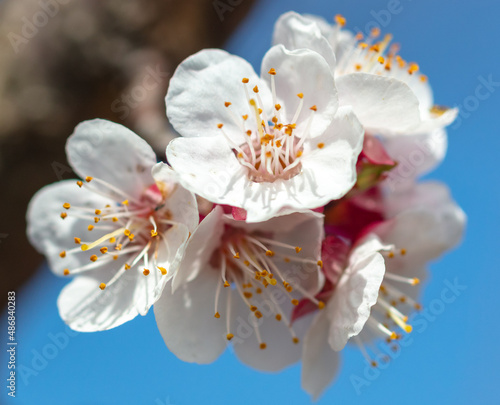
(453, 358)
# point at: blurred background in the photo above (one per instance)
(64, 61)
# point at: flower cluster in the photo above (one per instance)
(280, 223)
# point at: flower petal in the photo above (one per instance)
(113, 153)
(380, 103)
(294, 31)
(199, 89)
(200, 247)
(50, 234)
(329, 161)
(356, 293)
(302, 71)
(186, 319)
(320, 364)
(87, 308)
(280, 350)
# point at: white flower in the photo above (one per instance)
(122, 229)
(238, 282)
(262, 144)
(368, 303)
(388, 95)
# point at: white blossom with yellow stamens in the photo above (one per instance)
(238, 283)
(379, 289)
(265, 144)
(120, 231)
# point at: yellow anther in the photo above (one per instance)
(403, 252)
(226, 284)
(277, 106)
(423, 78)
(413, 68)
(66, 272)
(415, 281)
(295, 302)
(256, 89)
(245, 117)
(408, 328)
(340, 20)
(272, 71)
(391, 255)
(300, 95)
(63, 215)
(253, 308)
(126, 232)
(227, 103)
(97, 212)
(229, 336)
(320, 145)
(62, 254)
(374, 363)
(245, 80)
(88, 179)
(262, 346)
(237, 255)
(393, 336)
(248, 294)
(296, 340)
(131, 236)
(114, 219)
(102, 286)
(247, 263)
(79, 183)
(115, 257)
(220, 125)
(127, 266)
(163, 270)
(146, 272)
(359, 36)
(297, 249)
(153, 233)
(258, 314)
(217, 315)
(269, 253)
(258, 291)
(314, 108)
(112, 240)
(96, 219)
(363, 45)
(418, 307)
(321, 304)
(375, 48)
(286, 259)
(67, 206)
(260, 112)
(78, 241)
(104, 250)
(320, 263)
(299, 153)
(90, 227)
(375, 32)
(249, 133)
(381, 60)
(93, 258)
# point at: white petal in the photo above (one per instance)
(302, 71)
(112, 153)
(201, 245)
(50, 234)
(320, 364)
(295, 32)
(431, 122)
(202, 84)
(280, 351)
(436, 222)
(415, 154)
(186, 319)
(356, 293)
(332, 168)
(380, 103)
(180, 202)
(87, 308)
